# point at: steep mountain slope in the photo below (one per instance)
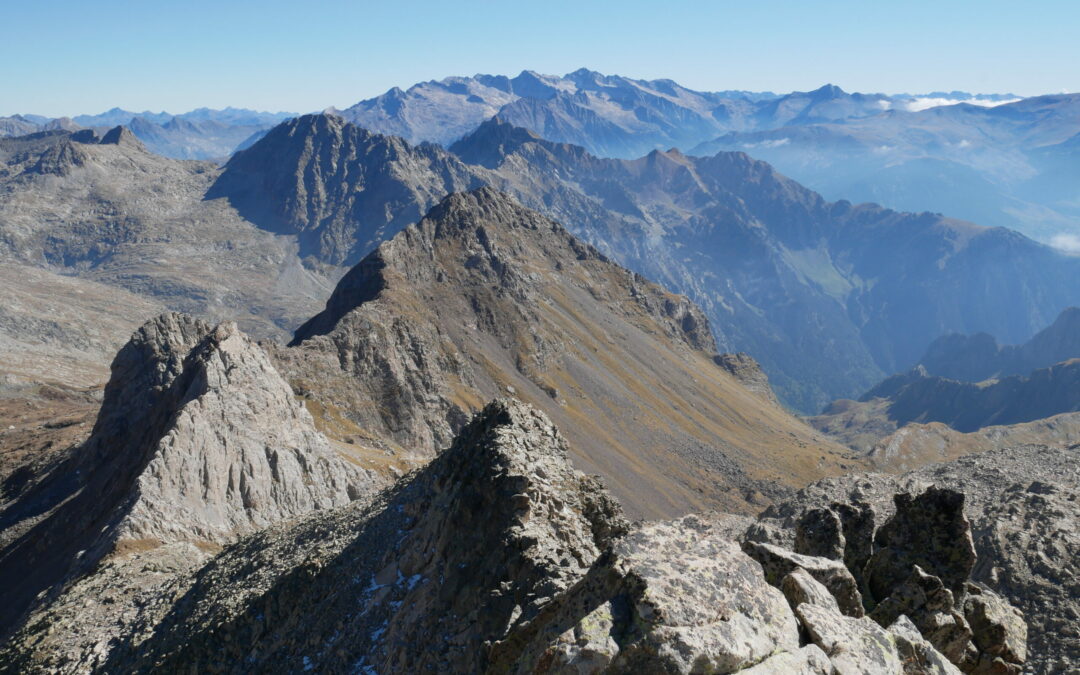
(110, 212)
(611, 115)
(484, 297)
(829, 297)
(173, 458)
(863, 288)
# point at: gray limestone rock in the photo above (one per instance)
(778, 562)
(932, 609)
(853, 645)
(198, 440)
(929, 530)
(799, 587)
(1023, 503)
(820, 533)
(918, 655)
(809, 660)
(998, 628)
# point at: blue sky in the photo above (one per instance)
(66, 57)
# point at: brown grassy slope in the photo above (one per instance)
(484, 298)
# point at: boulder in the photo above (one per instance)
(918, 655)
(778, 562)
(853, 645)
(819, 532)
(799, 587)
(676, 597)
(998, 629)
(929, 530)
(809, 660)
(931, 607)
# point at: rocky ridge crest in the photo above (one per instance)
(496, 557)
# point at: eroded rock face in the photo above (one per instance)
(198, 440)
(918, 655)
(676, 597)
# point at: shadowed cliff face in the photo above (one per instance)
(484, 297)
(339, 188)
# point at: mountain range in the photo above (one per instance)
(967, 393)
(199, 134)
(864, 289)
(208, 519)
(828, 297)
(611, 115)
(1012, 165)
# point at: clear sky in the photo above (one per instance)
(66, 57)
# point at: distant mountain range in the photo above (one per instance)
(1014, 165)
(611, 115)
(830, 297)
(199, 134)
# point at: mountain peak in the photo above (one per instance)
(491, 142)
(827, 92)
(121, 135)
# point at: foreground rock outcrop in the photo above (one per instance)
(981, 554)
(198, 441)
(496, 557)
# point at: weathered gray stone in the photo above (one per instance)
(929, 530)
(918, 655)
(779, 562)
(198, 440)
(820, 533)
(799, 587)
(858, 523)
(676, 597)
(998, 628)
(809, 660)
(931, 608)
(853, 645)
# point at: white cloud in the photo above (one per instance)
(925, 103)
(771, 143)
(1069, 243)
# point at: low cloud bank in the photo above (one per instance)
(1069, 243)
